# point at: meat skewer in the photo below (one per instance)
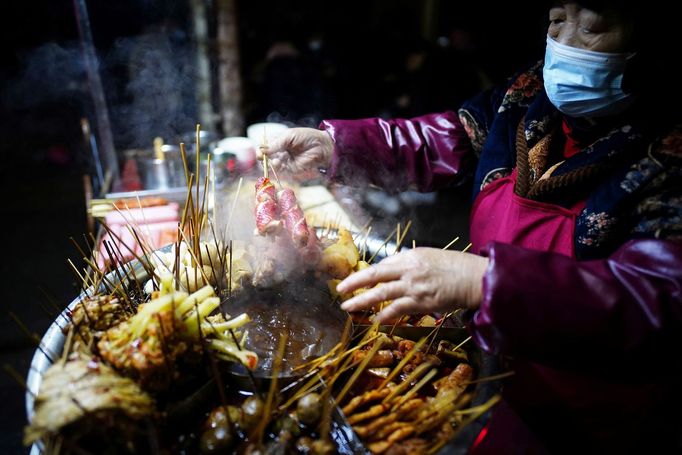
(267, 213)
(293, 217)
(311, 254)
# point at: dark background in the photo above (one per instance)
(350, 59)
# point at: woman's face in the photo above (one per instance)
(575, 26)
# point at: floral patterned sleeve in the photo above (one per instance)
(658, 213)
(478, 113)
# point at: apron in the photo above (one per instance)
(501, 215)
(536, 391)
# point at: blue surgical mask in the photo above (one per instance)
(582, 83)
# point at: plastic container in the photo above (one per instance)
(242, 148)
(271, 130)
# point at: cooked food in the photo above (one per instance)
(339, 259)
(85, 389)
(267, 211)
(309, 408)
(146, 345)
(149, 201)
(293, 218)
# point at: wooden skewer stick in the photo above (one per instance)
(398, 368)
(462, 343)
(416, 374)
(491, 378)
(358, 372)
(438, 326)
(422, 382)
(480, 410)
(279, 184)
(270, 398)
(264, 148)
(451, 243)
(14, 374)
(234, 204)
(388, 239)
(401, 238)
(198, 181)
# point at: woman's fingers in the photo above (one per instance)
(276, 146)
(369, 277)
(374, 296)
(397, 309)
(400, 258)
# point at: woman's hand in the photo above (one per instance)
(300, 152)
(422, 280)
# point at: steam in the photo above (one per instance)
(159, 96)
(148, 82)
(51, 73)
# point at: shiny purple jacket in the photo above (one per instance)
(607, 316)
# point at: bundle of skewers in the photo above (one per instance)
(127, 350)
(145, 365)
(398, 395)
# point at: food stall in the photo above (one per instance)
(208, 319)
(217, 343)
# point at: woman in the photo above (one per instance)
(576, 223)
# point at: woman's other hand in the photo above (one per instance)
(422, 280)
(300, 152)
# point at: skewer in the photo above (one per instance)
(198, 267)
(252, 378)
(229, 282)
(67, 346)
(311, 384)
(400, 388)
(221, 256)
(276, 177)
(400, 238)
(33, 337)
(205, 198)
(263, 148)
(117, 271)
(422, 382)
(79, 276)
(482, 409)
(130, 222)
(364, 243)
(234, 204)
(466, 248)
(451, 243)
(438, 326)
(382, 245)
(462, 343)
(359, 370)
(14, 374)
(267, 408)
(493, 377)
(210, 262)
(52, 302)
(398, 368)
(198, 171)
(183, 155)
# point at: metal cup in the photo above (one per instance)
(157, 176)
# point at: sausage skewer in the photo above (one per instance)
(267, 213)
(293, 217)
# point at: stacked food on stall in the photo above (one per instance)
(155, 219)
(156, 352)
